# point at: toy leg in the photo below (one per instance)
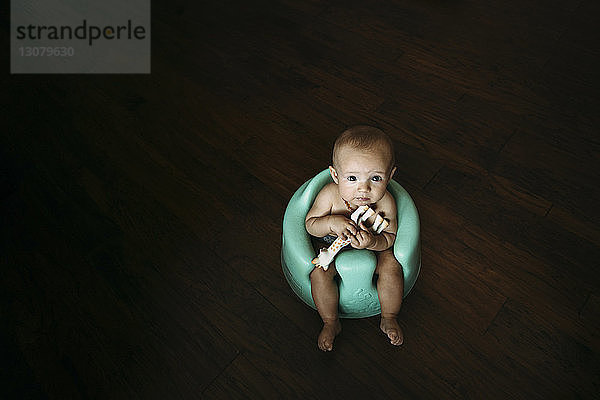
(326, 256)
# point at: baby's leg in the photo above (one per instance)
(390, 288)
(326, 296)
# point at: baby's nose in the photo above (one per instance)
(364, 187)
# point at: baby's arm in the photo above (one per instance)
(319, 221)
(366, 239)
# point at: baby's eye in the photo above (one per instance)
(351, 178)
(376, 178)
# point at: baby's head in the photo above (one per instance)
(363, 164)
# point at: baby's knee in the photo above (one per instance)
(320, 274)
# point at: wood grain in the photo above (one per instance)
(141, 214)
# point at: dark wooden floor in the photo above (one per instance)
(141, 215)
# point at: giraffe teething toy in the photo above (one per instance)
(361, 214)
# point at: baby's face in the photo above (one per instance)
(362, 176)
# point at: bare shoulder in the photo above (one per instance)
(323, 202)
(328, 193)
(330, 188)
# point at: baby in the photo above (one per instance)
(363, 164)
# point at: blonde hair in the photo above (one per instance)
(364, 137)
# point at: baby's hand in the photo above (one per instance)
(363, 239)
(342, 226)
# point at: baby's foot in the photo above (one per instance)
(390, 327)
(330, 330)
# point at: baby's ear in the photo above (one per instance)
(334, 174)
(392, 173)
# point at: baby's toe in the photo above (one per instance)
(397, 340)
(325, 345)
(396, 337)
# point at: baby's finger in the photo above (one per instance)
(359, 237)
(353, 229)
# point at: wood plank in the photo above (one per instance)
(142, 213)
(242, 380)
(110, 329)
(500, 266)
(552, 172)
(475, 201)
(526, 336)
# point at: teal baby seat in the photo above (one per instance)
(358, 293)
